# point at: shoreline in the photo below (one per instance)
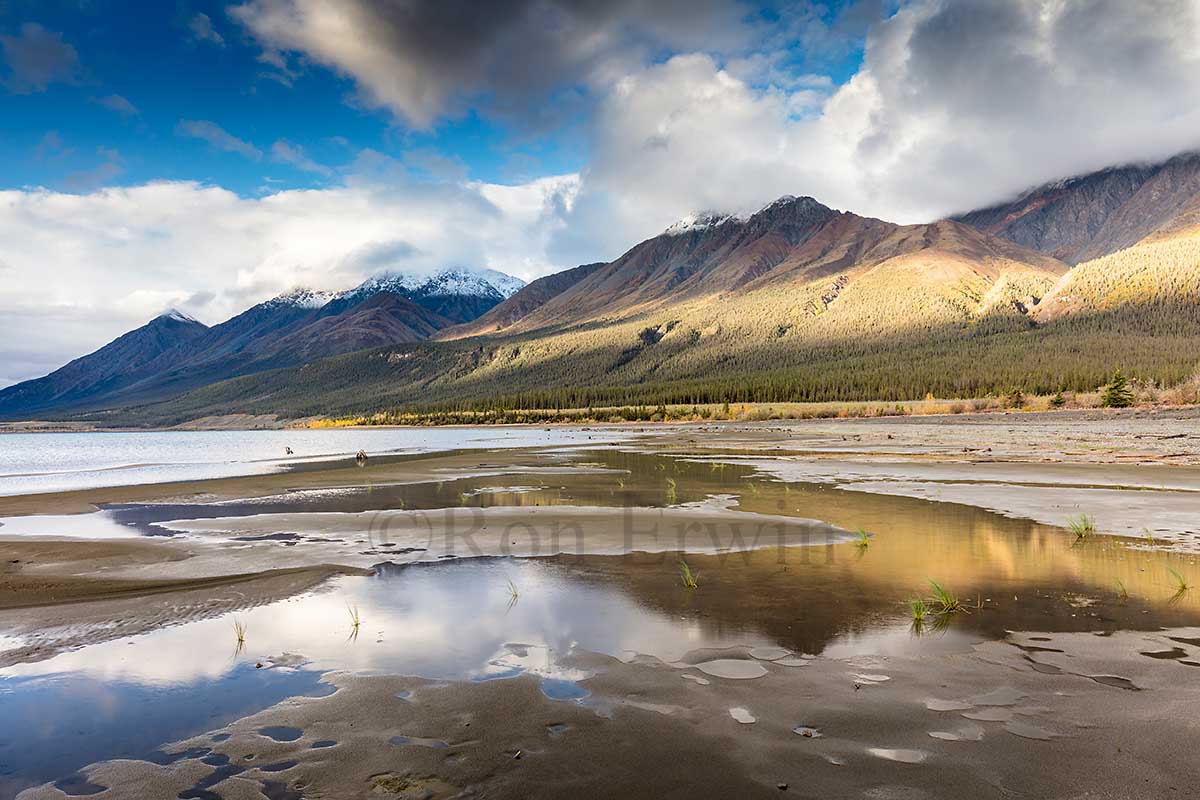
(778, 412)
(1038, 468)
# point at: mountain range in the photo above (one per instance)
(797, 301)
(174, 353)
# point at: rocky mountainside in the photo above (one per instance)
(522, 303)
(1090, 216)
(174, 353)
(793, 247)
(794, 289)
(113, 367)
(382, 318)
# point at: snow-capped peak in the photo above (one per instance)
(446, 282)
(302, 297)
(698, 221)
(176, 315)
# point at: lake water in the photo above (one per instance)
(32, 463)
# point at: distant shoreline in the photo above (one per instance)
(676, 415)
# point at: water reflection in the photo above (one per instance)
(52, 724)
(458, 620)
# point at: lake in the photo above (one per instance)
(32, 463)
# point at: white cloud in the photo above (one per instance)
(217, 136)
(80, 269)
(423, 61)
(957, 104)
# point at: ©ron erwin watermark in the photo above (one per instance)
(649, 534)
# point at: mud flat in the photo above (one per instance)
(516, 623)
(1137, 473)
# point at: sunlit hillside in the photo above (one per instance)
(1160, 271)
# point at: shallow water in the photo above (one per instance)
(457, 619)
(54, 462)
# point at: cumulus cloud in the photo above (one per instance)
(120, 256)
(960, 102)
(217, 136)
(36, 58)
(957, 104)
(425, 60)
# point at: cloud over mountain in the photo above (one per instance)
(122, 255)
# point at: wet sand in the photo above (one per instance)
(983, 724)
(1082, 685)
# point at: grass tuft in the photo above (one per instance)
(1122, 591)
(864, 540)
(919, 609)
(687, 576)
(943, 601)
(239, 629)
(1083, 526)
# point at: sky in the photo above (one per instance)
(207, 155)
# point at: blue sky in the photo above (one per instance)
(207, 155)
(154, 60)
(112, 116)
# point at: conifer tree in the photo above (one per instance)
(1117, 394)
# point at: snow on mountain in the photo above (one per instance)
(301, 297)
(698, 222)
(178, 316)
(484, 283)
(703, 220)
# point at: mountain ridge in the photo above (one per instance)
(295, 326)
(797, 299)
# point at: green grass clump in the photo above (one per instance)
(1083, 526)
(1122, 591)
(863, 540)
(920, 610)
(943, 601)
(687, 576)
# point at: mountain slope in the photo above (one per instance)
(1093, 215)
(795, 247)
(1158, 276)
(384, 318)
(153, 364)
(117, 364)
(521, 304)
(716, 302)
